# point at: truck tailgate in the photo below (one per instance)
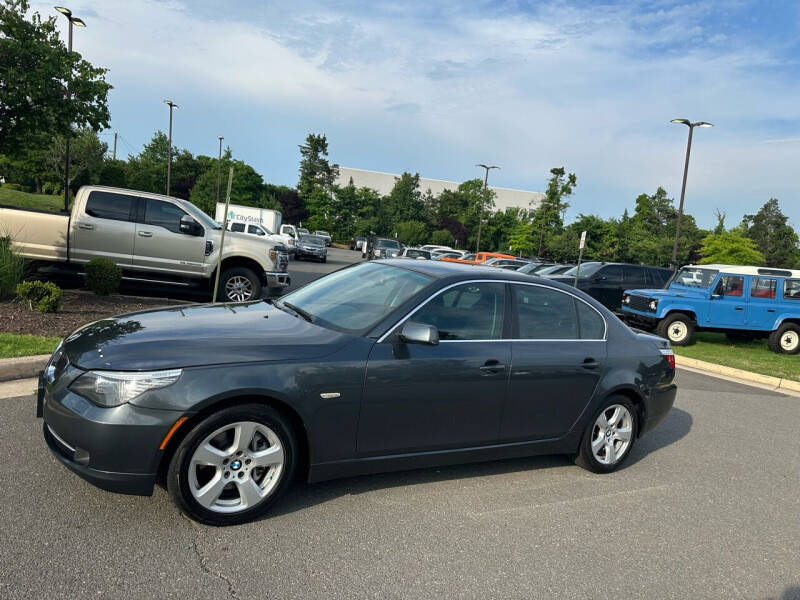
(36, 235)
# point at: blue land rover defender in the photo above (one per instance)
(742, 302)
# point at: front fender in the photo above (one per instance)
(684, 308)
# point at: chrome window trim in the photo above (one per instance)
(392, 329)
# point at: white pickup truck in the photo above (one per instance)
(153, 238)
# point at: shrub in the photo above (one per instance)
(40, 295)
(412, 233)
(50, 188)
(441, 237)
(11, 268)
(103, 276)
(17, 187)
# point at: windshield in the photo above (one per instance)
(387, 244)
(302, 230)
(699, 278)
(323, 233)
(200, 216)
(355, 299)
(586, 269)
(312, 239)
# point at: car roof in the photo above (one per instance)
(747, 270)
(442, 270)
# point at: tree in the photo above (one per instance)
(730, 248)
(315, 170)
(35, 72)
(773, 236)
(247, 187)
(404, 202)
(412, 233)
(548, 218)
(521, 239)
(86, 157)
(441, 237)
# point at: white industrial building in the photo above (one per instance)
(384, 182)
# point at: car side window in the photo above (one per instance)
(730, 285)
(612, 274)
(592, 325)
(545, 314)
(256, 230)
(471, 311)
(237, 227)
(791, 289)
(763, 287)
(107, 205)
(163, 214)
(634, 276)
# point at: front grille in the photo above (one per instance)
(640, 303)
(283, 262)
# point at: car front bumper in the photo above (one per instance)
(116, 449)
(635, 317)
(277, 279)
(321, 253)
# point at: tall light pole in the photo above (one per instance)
(691, 127)
(483, 199)
(79, 22)
(219, 162)
(171, 105)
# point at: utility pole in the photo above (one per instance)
(483, 199)
(79, 22)
(114, 153)
(171, 105)
(219, 164)
(691, 127)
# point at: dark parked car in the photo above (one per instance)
(381, 366)
(381, 248)
(606, 281)
(311, 247)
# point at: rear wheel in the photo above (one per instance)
(786, 339)
(238, 284)
(609, 437)
(677, 328)
(232, 466)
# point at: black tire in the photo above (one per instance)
(585, 457)
(228, 274)
(178, 474)
(324, 259)
(678, 328)
(785, 339)
(738, 337)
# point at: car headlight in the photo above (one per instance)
(626, 299)
(653, 304)
(113, 388)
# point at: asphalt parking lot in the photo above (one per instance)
(706, 508)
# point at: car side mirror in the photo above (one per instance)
(189, 226)
(419, 333)
(600, 278)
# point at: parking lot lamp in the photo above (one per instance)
(483, 199)
(171, 105)
(79, 22)
(691, 127)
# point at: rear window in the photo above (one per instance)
(107, 205)
(387, 244)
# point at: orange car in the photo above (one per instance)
(480, 257)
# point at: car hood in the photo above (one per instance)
(671, 292)
(199, 334)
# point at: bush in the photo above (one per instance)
(103, 276)
(16, 186)
(441, 237)
(412, 233)
(51, 189)
(11, 268)
(40, 295)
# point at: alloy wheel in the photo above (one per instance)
(236, 467)
(238, 289)
(611, 434)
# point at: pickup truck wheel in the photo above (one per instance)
(233, 465)
(239, 284)
(786, 339)
(677, 328)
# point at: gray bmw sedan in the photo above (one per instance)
(381, 366)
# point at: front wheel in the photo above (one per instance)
(238, 284)
(677, 328)
(233, 465)
(609, 437)
(786, 339)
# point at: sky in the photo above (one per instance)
(435, 87)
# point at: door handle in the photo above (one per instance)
(770, 310)
(590, 363)
(145, 233)
(85, 226)
(739, 308)
(492, 366)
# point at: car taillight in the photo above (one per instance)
(670, 356)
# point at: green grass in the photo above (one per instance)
(750, 356)
(13, 345)
(34, 201)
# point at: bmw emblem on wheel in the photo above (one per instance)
(236, 465)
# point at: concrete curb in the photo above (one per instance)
(777, 383)
(23, 367)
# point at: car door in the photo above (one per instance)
(762, 304)
(728, 302)
(160, 244)
(558, 353)
(634, 278)
(105, 228)
(449, 395)
(608, 286)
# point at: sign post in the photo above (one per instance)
(224, 229)
(580, 256)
